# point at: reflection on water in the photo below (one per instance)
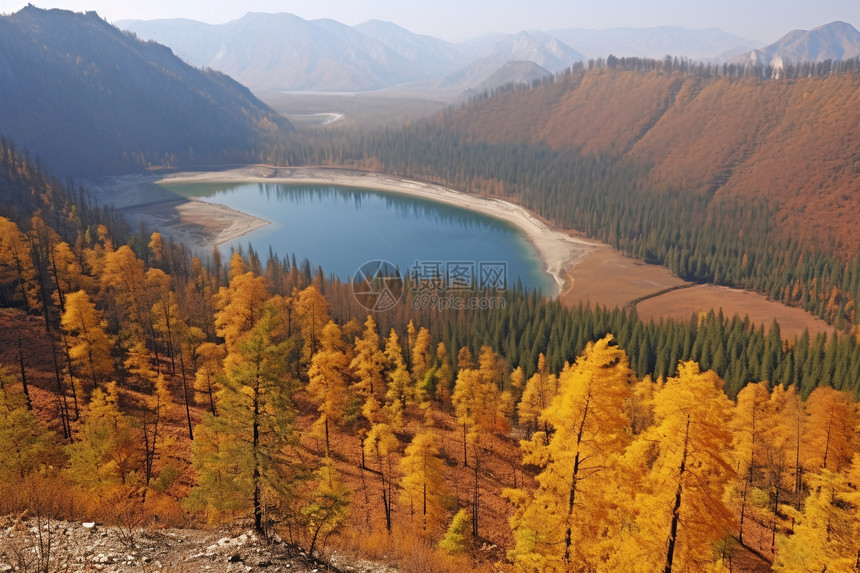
(339, 228)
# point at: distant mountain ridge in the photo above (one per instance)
(87, 98)
(538, 47)
(709, 44)
(835, 41)
(285, 52)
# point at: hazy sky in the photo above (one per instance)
(455, 20)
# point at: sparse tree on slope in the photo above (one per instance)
(327, 379)
(380, 445)
(108, 454)
(539, 391)
(89, 345)
(26, 444)
(423, 486)
(210, 369)
(16, 265)
(241, 454)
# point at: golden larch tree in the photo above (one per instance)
(16, 265)
(108, 453)
(825, 536)
(422, 487)
(562, 524)
(750, 428)
(367, 365)
(830, 431)
(679, 502)
(539, 391)
(27, 444)
(239, 307)
(312, 310)
(210, 370)
(89, 345)
(381, 446)
(243, 454)
(328, 379)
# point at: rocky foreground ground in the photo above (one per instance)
(28, 545)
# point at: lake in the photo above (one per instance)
(341, 228)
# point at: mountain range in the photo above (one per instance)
(835, 41)
(285, 52)
(85, 97)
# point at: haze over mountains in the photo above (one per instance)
(285, 52)
(83, 96)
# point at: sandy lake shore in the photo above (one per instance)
(586, 272)
(558, 250)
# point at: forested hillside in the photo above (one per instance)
(140, 387)
(733, 175)
(86, 98)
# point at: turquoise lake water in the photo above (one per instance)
(341, 228)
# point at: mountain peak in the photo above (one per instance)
(84, 96)
(834, 41)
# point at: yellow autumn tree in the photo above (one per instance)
(422, 487)
(123, 281)
(380, 446)
(421, 354)
(399, 390)
(89, 345)
(67, 273)
(312, 310)
(790, 419)
(367, 364)
(476, 403)
(825, 536)
(210, 369)
(562, 525)
(108, 453)
(328, 379)
(243, 454)
(27, 444)
(156, 247)
(750, 426)
(680, 512)
(239, 307)
(17, 273)
(830, 431)
(539, 391)
(780, 467)
(328, 505)
(153, 420)
(171, 327)
(444, 374)
(458, 536)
